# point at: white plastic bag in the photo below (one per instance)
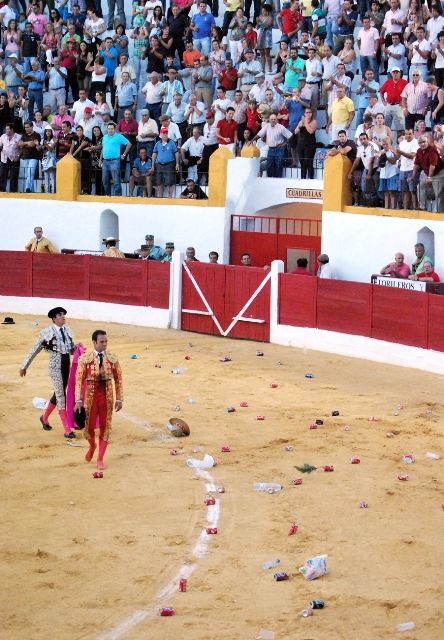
(40, 403)
(314, 567)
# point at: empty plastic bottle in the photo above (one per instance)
(206, 463)
(270, 564)
(33, 324)
(179, 370)
(434, 456)
(271, 487)
(191, 400)
(405, 626)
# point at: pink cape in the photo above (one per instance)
(70, 391)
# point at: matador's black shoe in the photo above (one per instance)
(45, 425)
(70, 435)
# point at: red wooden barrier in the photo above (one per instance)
(116, 280)
(58, 276)
(435, 336)
(241, 284)
(262, 247)
(15, 273)
(210, 279)
(158, 284)
(297, 300)
(344, 306)
(400, 316)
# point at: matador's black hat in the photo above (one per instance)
(55, 311)
(80, 418)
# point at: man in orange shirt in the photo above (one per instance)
(189, 56)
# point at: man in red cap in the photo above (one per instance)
(165, 162)
(58, 342)
(78, 108)
(87, 122)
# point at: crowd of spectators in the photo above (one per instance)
(147, 103)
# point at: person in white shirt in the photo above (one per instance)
(325, 270)
(211, 144)
(438, 56)
(149, 9)
(406, 151)
(258, 90)
(194, 146)
(313, 68)
(419, 54)
(435, 24)
(220, 105)
(329, 66)
(151, 93)
(78, 108)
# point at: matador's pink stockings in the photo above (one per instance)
(49, 409)
(102, 448)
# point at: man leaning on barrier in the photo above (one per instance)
(428, 160)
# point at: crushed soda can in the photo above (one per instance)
(355, 460)
(231, 409)
(288, 447)
(297, 481)
(428, 411)
(190, 344)
(442, 505)
(307, 612)
(319, 422)
(400, 406)
(309, 375)
(293, 529)
(243, 404)
(134, 356)
(274, 385)
(225, 359)
(225, 449)
(220, 489)
(187, 357)
(363, 505)
(166, 611)
(209, 501)
(211, 530)
(373, 419)
(313, 426)
(335, 413)
(260, 417)
(402, 477)
(390, 434)
(408, 458)
(283, 575)
(97, 474)
(259, 353)
(183, 584)
(158, 365)
(174, 452)
(329, 467)
(317, 604)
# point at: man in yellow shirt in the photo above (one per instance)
(111, 249)
(39, 243)
(342, 114)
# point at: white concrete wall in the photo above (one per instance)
(76, 225)
(247, 193)
(360, 245)
(88, 310)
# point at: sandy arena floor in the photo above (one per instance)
(79, 556)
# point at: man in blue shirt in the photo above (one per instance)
(141, 173)
(36, 79)
(110, 158)
(295, 113)
(165, 154)
(126, 96)
(77, 19)
(201, 25)
(367, 86)
(110, 59)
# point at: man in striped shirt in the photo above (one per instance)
(276, 137)
(416, 98)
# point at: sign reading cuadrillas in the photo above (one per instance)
(312, 194)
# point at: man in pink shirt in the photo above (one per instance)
(397, 269)
(368, 43)
(38, 20)
(62, 116)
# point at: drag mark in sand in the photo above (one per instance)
(198, 551)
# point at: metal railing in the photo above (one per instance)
(430, 195)
(27, 180)
(305, 170)
(281, 226)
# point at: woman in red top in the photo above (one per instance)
(253, 118)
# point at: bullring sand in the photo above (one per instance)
(80, 555)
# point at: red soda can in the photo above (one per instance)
(260, 417)
(288, 447)
(293, 529)
(373, 419)
(283, 575)
(402, 477)
(187, 357)
(225, 449)
(231, 409)
(274, 385)
(209, 501)
(183, 584)
(329, 467)
(174, 452)
(363, 505)
(166, 611)
(355, 460)
(158, 366)
(442, 505)
(259, 353)
(297, 481)
(211, 530)
(313, 426)
(428, 411)
(220, 489)
(243, 404)
(97, 474)
(319, 422)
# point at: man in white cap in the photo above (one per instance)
(12, 73)
(111, 250)
(258, 89)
